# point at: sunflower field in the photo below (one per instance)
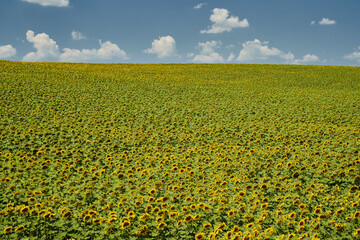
(179, 151)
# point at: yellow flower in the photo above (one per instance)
(152, 191)
(292, 215)
(231, 213)
(126, 224)
(32, 200)
(179, 223)
(161, 226)
(188, 218)
(25, 210)
(8, 229)
(199, 236)
(206, 226)
(20, 228)
(86, 218)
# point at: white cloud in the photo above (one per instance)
(312, 22)
(257, 50)
(47, 3)
(354, 55)
(207, 53)
(223, 23)
(200, 5)
(231, 57)
(75, 35)
(46, 48)
(326, 21)
(163, 47)
(190, 55)
(7, 51)
(307, 58)
(107, 51)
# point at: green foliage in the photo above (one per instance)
(257, 151)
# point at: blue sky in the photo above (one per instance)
(323, 32)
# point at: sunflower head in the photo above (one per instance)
(8, 229)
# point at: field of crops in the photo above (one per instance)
(179, 151)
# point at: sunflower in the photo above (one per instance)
(206, 226)
(145, 217)
(197, 217)
(173, 215)
(199, 236)
(355, 204)
(25, 209)
(357, 214)
(231, 213)
(173, 208)
(241, 193)
(302, 206)
(110, 220)
(264, 206)
(86, 218)
(161, 226)
(131, 214)
(67, 214)
(339, 211)
(20, 228)
(317, 210)
(357, 232)
(179, 223)
(32, 200)
(250, 225)
(193, 206)
(125, 224)
(206, 208)
(292, 215)
(188, 218)
(8, 229)
(354, 188)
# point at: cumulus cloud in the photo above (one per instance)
(231, 57)
(326, 21)
(222, 22)
(312, 22)
(107, 51)
(354, 55)
(200, 5)
(47, 3)
(207, 52)
(46, 48)
(257, 50)
(75, 35)
(307, 59)
(7, 51)
(163, 47)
